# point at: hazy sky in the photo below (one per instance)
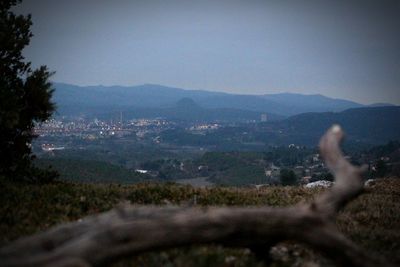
(346, 49)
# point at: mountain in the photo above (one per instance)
(372, 125)
(187, 103)
(93, 100)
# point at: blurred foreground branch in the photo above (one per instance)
(128, 230)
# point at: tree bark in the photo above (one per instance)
(127, 230)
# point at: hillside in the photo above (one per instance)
(363, 126)
(372, 221)
(373, 125)
(90, 171)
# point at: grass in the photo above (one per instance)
(372, 220)
(91, 171)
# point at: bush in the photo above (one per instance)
(288, 177)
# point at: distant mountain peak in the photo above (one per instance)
(187, 102)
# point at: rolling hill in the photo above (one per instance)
(373, 125)
(363, 127)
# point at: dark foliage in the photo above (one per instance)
(288, 177)
(25, 96)
(381, 168)
(91, 171)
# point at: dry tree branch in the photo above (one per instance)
(124, 231)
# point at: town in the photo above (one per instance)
(149, 148)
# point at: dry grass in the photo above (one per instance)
(372, 220)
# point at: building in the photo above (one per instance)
(264, 117)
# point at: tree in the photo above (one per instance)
(25, 94)
(288, 177)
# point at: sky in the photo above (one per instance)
(343, 49)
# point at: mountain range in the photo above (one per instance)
(151, 100)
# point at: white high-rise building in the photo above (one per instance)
(264, 117)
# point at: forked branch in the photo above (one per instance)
(129, 230)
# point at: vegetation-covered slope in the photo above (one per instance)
(372, 221)
(90, 171)
(374, 125)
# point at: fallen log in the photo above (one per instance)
(128, 230)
